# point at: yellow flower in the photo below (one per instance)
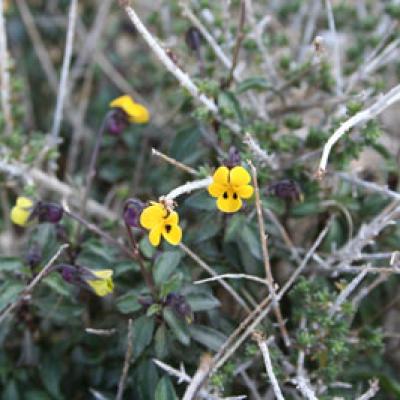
(21, 212)
(136, 113)
(230, 186)
(161, 222)
(102, 282)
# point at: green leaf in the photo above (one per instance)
(10, 264)
(161, 342)
(230, 106)
(165, 265)
(128, 303)
(207, 336)
(56, 283)
(10, 290)
(201, 201)
(165, 390)
(250, 239)
(143, 328)
(172, 285)
(234, 226)
(50, 373)
(202, 301)
(255, 83)
(177, 325)
(306, 208)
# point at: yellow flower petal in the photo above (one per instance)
(24, 202)
(21, 211)
(104, 285)
(229, 202)
(155, 235)
(19, 216)
(221, 176)
(152, 215)
(136, 113)
(239, 176)
(172, 234)
(216, 190)
(172, 219)
(139, 114)
(245, 191)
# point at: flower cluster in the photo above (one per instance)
(230, 186)
(97, 281)
(160, 220)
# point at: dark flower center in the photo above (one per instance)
(235, 196)
(225, 195)
(168, 228)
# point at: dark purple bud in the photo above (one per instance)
(193, 38)
(69, 273)
(145, 302)
(34, 256)
(132, 210)
(50, 212)
(234, 158)
(117, 122)
(179, 304)
(286, 189)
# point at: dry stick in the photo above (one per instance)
(375, 109)
(239, 39)
(254, 319)
(263, 345)
(182, 77)
(267, 265)
(189, 187)
(92, 40)
(177, 164)
(38, 44)
(372, 391)
(337, 62)
(260, 155)
(192, 389)
(125, 369)
(233, 276)
(302, 381)
(25, 294)
(207, 268)
(101, 332)
(346, 292)
(5, 74)
(62, 90)
(247, 326)
(374, 187)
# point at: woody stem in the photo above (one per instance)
(147, 276)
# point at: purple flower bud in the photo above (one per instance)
(34, 256)
(50, 212)
(234, 158)
(69, 273)
(132, 210)
(179, 304)
(117, 122)
(145, 302)
(286, 189)
(193, 38)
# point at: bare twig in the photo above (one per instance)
(63, 89)
(233, 276)
(267, 265)
(193, 388)
(372, 391)
(239, 39)
(5, 74)
(100, 332)
(336, 58)
(207, 268)
(189, 187)
(345, 293)
(26, 293)
(125, 368)
(375, 109)
(173, 162)
(260, 155)
(262, 344)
